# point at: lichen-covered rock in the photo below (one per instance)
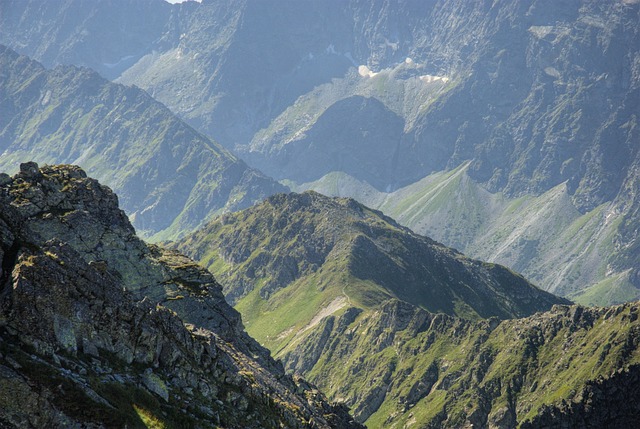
(103, 329)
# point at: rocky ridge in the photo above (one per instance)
(305, 272)
(305, 269)
(125, 332)
(568, 367)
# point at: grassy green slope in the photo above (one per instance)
(292, 260)
(544, 237)
(439, 371)
(311, 278)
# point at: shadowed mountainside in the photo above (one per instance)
(169, 177)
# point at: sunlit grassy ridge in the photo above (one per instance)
(544, 237)
(440, 371)
(309, 242)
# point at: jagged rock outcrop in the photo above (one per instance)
(98, 329)
(604, 402)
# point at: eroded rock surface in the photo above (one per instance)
(99, 329)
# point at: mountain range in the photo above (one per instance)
(536, 101)
(294, 249)
(169, 177)
(402, 328)
(99, 329)
(505, 130)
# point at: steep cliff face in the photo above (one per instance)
(100, 35)
(125, 332)
(169, 177)
(575, 123)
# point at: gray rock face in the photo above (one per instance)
(85, 38)
(539, 95)
(120, 324)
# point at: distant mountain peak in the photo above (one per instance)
(169, 176)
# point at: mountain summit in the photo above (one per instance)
(407, 331)
(289, 239)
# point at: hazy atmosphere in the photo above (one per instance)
(319, 213)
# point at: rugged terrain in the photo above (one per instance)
(543, 237)
(407, 331)
(309, 241)
(539, 96)
(99, 329)
(169, 177)
(506, 129)
(401, 366)
(527, 97)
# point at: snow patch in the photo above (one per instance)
(552, 71)
(541, 31)
(393, 45)
(428, 78)
(364, 71)
(112, 65)
(46, 98)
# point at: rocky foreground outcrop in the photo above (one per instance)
(99, 329)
